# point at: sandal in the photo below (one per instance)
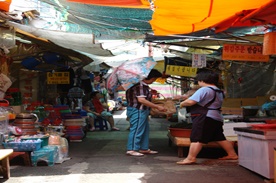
(134, 153)
(148, 151)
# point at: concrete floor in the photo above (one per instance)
(101, 158)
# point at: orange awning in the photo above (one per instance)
(182, 17)
(5, 5)
(265, 14)
(117, 3)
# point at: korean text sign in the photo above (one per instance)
(244, 53)
(181, 70)
(58, 78)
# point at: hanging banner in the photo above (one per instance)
(199, 60)
(58, 78)
(181, 70)
(244, 53)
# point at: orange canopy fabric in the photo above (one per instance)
(182, 17)
(5, 5)
(266, 14)
(117, 3)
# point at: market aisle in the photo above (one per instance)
(101, 158)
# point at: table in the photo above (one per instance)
(5, 163)
(181, 142)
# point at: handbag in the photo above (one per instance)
(167, 104)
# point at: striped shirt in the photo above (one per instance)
(138, 90)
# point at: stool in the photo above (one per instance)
(46, 154)
(100, 123)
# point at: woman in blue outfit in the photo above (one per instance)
(139, 103)
(204, 106)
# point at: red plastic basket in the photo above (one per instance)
(270, 121)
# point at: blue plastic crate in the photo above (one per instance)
(44, 140)
(23, 145)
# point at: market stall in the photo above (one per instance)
(32, 139)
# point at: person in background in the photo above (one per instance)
(89, 108)
(75, 96)
(138, 108)
(103, 91)
(101, 110)
(207, 120)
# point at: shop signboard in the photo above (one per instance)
(244, 53)
(199, 60)
(181, 70)
(58, 78)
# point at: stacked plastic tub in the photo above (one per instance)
(74, 125)
(27, 123)
(61, 110)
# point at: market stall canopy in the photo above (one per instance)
(121, 3)
(105, 22)
(264, 15)
(131, 19)
(83, 24)
(80, 25)
(5, 5)
(209, 40)
(22, 50)
(183, 17)
(66, 39)
(203, 42)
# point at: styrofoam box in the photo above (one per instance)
(256, 153)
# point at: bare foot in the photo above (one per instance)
(186, 162)
(229, 158)
(115, 129)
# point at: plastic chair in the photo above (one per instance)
(100, 123)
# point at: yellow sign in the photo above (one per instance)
(181, 70)
(58, 78)
(244, 53)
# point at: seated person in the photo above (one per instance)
(95, 108)
(89, 108)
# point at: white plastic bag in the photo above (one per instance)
(184, 116)
(181, 114)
